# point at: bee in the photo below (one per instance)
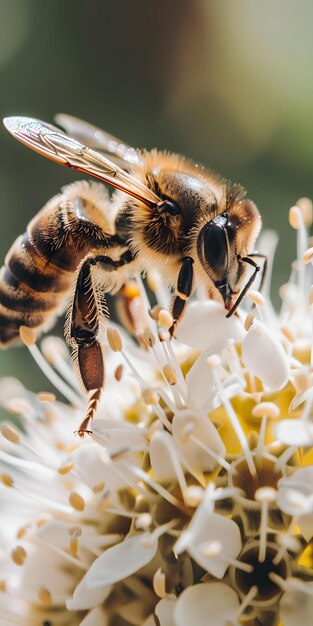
(166, 212)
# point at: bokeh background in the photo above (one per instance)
(226, 82)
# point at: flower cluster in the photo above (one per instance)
(192, 500)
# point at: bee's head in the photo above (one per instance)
(223, 244)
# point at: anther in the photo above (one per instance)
(114, 339)
(66, 468)
(249, 320)
(149, 396)
(27, 335)
(45, 396)
(119, 372)
(9, 434)
(256, 297)
(295, 217)
(193, 496)
(159, 583)
(143, 521)
(170, 374)
(6, 480)
(44, 596)
(305, 205)
(154, 312)
(165, 319)
(148, 338)
(18, 555)
(76, 501)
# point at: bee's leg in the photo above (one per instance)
(81, 332)
(183, 290)
(83, 325)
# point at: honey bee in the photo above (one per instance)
(166, 213)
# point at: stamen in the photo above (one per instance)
(266, 496)
(156, 285)
(146, 478)
(265, 410)
(302, 245)
(219, 459)
(144, 521)
(193, 496)
(53, 377)
(213, 362)
(214, 548)
(305, 204)
(170, 374)
(252, 593)
(55, 352)
(75, 533)
(159, 581)
(249, 320)
(284, 458)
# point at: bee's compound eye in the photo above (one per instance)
(170, 207)
(212, 246)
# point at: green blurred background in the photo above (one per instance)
(226, 82)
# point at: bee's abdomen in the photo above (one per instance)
(31, 290)
(37, 275)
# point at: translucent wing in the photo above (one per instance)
(99, 139)
(60, 148)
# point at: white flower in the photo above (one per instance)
(192, 502)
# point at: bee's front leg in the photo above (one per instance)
(183, 291)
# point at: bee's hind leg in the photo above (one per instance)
(83, 326)
(81, 332)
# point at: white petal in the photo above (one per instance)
(203, 430)
(205, 323)
(86, 598)
(164, 611)
(301, 479)
(205, 529)
(95, 618)
(298, 487)
(200, 382)
(122, 560)
(206, 604)
(293, 502)
(296, 607)
(294, 432)
(90, 467)
(162, 453)
(264, 356)
(114, 435)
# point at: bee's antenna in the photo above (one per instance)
(247, 286)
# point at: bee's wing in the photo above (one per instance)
(55, 145)
(98, 139)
